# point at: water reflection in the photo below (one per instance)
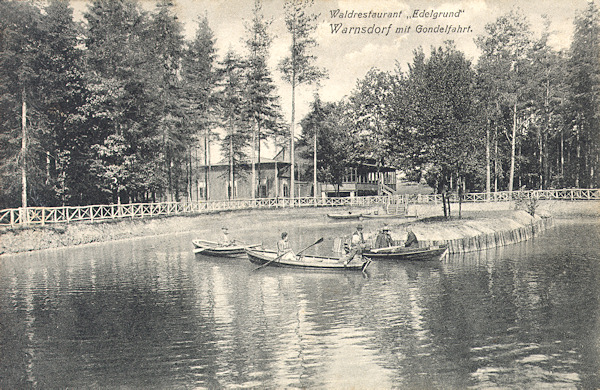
(147, 313)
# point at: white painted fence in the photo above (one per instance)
(46, 215)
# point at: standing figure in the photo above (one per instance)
(357, 244)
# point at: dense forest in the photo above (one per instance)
(122, 108)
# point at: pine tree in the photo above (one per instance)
(235, 121)
(298, 68)
(546, 121)
(505, 48)
(584, 81)
(62, 86)
(262, 104)
(199, 80)
(20, 104)
(173, 135)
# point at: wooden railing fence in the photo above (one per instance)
(65, 214)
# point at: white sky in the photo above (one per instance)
(347, 58)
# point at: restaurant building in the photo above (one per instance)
(362, 179)
(274, 181)
(365, 179)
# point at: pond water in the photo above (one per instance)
(147, 313)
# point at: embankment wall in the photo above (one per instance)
(491, 239)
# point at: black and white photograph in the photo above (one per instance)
(299, 194)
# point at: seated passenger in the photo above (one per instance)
(283, 248)
(411, 240)
(384, 239)
(226, 240)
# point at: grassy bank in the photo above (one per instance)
(477, 219)
(55, 236)
(554, 208)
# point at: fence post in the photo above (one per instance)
(23, 216)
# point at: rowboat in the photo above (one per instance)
(349, 215)
(401, 253)
(308, 262)
(382, 216)
(212, 248)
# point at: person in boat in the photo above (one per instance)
(384, 239)
(357, 245)
(283, 248)
(226, 240)
(411, 240)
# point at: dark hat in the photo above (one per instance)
(359, 226)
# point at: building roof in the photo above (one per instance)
(263, 161)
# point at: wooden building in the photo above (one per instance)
(274, 180)
(364, 179)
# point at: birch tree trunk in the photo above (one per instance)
(488, 168)
(253, 185)
(513, 143)
(24, 215)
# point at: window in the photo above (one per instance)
(200, 190)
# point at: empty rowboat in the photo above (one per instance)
(212, 248)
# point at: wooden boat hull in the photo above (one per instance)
(407, 254)
(383, 216)
(211, 248)
(319, 263)
(345, 216)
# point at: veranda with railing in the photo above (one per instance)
(65, 214)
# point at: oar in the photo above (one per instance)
(320, 240)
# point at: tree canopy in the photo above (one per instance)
(124, 108)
